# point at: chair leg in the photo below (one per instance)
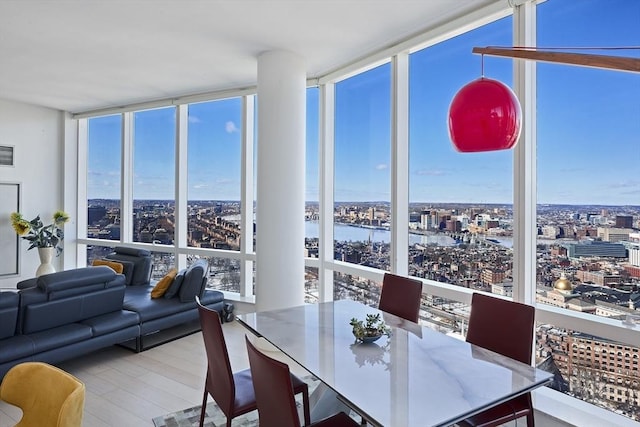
(203, 410)
(530, 421)
(305, 406)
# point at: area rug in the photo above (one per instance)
(215, 418)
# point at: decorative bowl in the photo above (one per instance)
(367, 339)
(369, 330)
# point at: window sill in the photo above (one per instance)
(577, 412)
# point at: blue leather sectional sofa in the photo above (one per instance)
(63, 315)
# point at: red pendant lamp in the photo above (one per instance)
(484, 115)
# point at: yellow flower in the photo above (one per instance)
(60, 217)
(21, 226)
(15, 216)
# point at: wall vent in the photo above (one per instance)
(6, 155)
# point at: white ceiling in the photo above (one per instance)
(80, 55)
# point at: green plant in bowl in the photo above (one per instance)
(369, 330)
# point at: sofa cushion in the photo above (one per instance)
(192, 284)
(163, 284)
(115, 266)
(138, 299)
(8, 313)
(175, 286)
(15, 347)
(110, 322)
(60, 336)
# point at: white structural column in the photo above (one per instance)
(280, 180)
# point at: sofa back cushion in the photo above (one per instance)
(72, 282)
(70, 296)
(136, 262)
(8, 313)
(174, 288)
(194, 281)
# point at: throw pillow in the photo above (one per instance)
(193, 281)
(115, 266)
(175, 286)
(163, 284)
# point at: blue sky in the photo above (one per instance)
(588, 126)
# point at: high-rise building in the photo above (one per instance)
(624, 221)
(610, 234)
(634, 254)
(95, 214)
(596, 249)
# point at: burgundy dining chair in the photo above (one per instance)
(505, 327)
(232, 391)
(275, 394)
(401, 296)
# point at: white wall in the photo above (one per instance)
(37, 135)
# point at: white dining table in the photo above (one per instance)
(416, 377)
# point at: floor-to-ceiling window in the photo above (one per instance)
(214, 147)
(154, 145)
(362, 191)
(104, 156)
(312, 194)
(588, 157)
(460, 204)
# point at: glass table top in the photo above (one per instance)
(415, 377)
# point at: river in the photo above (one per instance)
(346, 233)
(352, 233)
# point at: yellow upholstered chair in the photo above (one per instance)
(48, 396)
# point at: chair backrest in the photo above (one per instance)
(219, 381)
(48, 396)
(273, 389)
(401, 296)
(503, 326)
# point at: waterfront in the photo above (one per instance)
(352, 233)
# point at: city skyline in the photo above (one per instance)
(587, 150)
(378, 202)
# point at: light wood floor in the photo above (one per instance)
(125, 389)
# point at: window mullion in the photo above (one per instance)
(246, 195)
(400, 164)
(126, 191)
(181, 183)
(524, 162)
(326, 181)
